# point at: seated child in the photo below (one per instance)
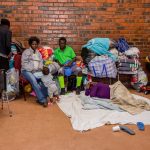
(47, 80)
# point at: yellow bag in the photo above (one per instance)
(28, 88)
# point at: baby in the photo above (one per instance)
(47, 80)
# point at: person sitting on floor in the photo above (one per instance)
(47, 80)
(66, 57)
(32, 63)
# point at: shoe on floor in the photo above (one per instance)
(41, 103)
(140, 126)
(45, 104)
(127, 130)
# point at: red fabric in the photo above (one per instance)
(17, 62)
(23, 81)
(45, 52)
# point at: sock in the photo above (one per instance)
(61, 81)
(79, 80)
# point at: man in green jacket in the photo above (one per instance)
(66, 58)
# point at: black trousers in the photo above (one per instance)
(4, 63)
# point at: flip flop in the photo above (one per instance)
(140, 126)
(126, 129)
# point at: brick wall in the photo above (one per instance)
(79, 21)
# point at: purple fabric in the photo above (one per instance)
(99, 90)
(87, 92)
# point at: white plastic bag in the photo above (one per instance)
(142, 77)
(12, 80)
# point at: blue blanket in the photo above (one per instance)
(100, 46)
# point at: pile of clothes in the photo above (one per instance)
(128, 62)
(99, 95)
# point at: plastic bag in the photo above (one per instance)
(142, 77)
(122, 45)
(12, 81)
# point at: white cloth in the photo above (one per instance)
(36, 61)
(38, 74)
(88, 119)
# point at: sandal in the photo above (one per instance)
(126, 129)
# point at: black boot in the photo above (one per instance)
(62, 91)
(78, 90)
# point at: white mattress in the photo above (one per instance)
(88, 119)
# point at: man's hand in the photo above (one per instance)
(68, 64)
(71, 62)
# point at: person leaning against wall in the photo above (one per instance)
(32, 63)
(5, 43)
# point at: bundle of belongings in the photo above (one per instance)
(139, 80)
(128, 63)
(10, 83)
(15, 59)
(47, 55)
(100, 56)
(103, 66)
(10, 79)
(98, 59)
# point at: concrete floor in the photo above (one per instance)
(33, 127)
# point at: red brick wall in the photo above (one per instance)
(79, 21)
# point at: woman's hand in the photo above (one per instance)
(33, 71)
(9, 55)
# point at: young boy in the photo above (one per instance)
(47, 80)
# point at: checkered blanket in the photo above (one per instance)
(101, 66)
